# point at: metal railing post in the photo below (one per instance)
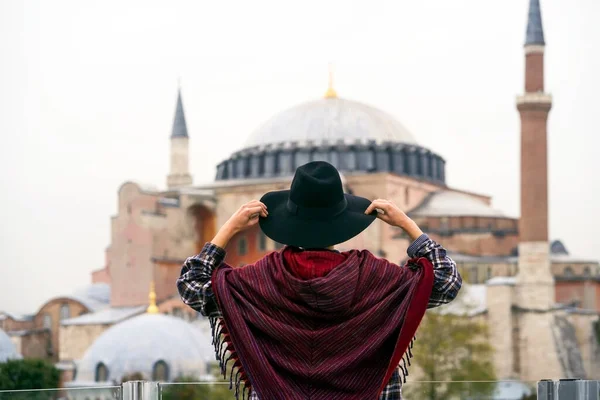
(568, 389)
(545, 390)
(140, 390)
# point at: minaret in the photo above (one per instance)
(534, 277)
(179, 173)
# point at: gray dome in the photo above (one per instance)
(8, 351)
(94, 296)
(135, 345)
(446, 203)
(330, 120)
(352, 136)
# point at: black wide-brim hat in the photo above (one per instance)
(315, 212)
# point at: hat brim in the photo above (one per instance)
(286, 228)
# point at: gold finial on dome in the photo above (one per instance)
(330, 93)
(152, 308)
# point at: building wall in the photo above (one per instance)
(33, 344)
(76, 339)
(101, 276)
(576, 269)
(475, 236)
(8, 324)
(588, 342)
(52, 309)
(582, 293)
(175, 307)
(476, 272)
(247, 247)
(165, 278)
(130, 250)
(499, 319)
(538, 358)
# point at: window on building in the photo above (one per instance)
(65, 312)
(270, 164)
(301, 158)
(262, 241)
(320, 155)
(444, 224)
(489, 273)
(474, 278)
(242, 246)
(47, 321)
(160, 371)
(101, 372)
(587, 271)
(178, 312)
(255, 166)
(285, 163)
(568, 271)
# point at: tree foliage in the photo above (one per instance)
(28, 374)
(455, 356)
(135, 376)
(189, 388)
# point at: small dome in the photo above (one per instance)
(447, 203)
(94, 296)
(8, 351)
(139, 344)
(330, 120)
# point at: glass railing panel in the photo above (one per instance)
(204, 390)
(468, 390)
(417, 390)
(80, 393)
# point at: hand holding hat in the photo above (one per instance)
(245, 217)
(392, 214)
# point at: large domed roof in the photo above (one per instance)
(330, 120)
(8, 351)
(137, 344)
(354, 137)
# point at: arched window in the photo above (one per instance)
(474, 274)
(160, 371)
(568, 271)
(47, 321)
(262, 241)
(65, 312)
(178, 312)
(101, 372)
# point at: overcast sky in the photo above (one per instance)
(88, 91)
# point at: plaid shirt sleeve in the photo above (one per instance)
(194, 283)
(447, 281)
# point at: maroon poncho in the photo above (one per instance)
(334, 337)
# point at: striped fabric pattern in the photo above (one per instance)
(195, 288)
(324, 339)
